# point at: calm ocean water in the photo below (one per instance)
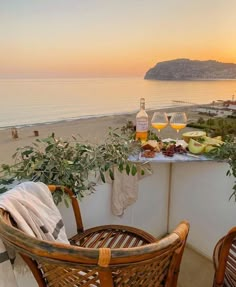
(33, 101)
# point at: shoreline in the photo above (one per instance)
(87, 117)
(93, 130)
(20, 126)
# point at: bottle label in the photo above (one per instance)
(141, 124)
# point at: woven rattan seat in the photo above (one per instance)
(224, 258)
(104, 256)
(112, 236)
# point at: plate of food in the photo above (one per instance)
(167, 150)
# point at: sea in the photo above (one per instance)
(27, 102)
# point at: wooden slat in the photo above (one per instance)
(97, 239)
(105, 240)
(121, 240)
(115, 237)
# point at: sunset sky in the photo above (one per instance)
(108, 38)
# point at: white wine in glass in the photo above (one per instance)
(159, 121)
(178, 122)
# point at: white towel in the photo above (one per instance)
(124, 190)
(31, 206)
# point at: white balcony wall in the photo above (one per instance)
(200, 193)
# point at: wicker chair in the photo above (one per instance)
(106, 256)
(224, 258)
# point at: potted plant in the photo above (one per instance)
(77, 165)
(227, 152)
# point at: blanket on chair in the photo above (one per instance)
(32, 207)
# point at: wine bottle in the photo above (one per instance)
(142, 122)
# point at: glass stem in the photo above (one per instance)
(177, 135)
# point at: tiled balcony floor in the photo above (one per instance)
(196, 270)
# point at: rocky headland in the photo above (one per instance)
(186, 69)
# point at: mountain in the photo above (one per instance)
(185, 69)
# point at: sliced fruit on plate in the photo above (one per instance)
(212, 141)
(209, 148)
(218, 137)
(193, 135)
(196, 147)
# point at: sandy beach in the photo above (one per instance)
(91, 130)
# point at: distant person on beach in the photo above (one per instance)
(14, 133)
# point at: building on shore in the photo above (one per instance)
(222, 109)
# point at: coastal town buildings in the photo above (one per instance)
(218, 109)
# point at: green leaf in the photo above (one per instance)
(5, 181)
(67, 200)
(27, 152)
(49, 148)
(107, 166)
(133, 170)
(121, 167)
(111, 174)
(127, 169)
(102, 177)
(3, 189)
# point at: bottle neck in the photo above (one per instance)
(142, 104)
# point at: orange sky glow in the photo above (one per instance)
(111, 38)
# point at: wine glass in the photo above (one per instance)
(159, 121)
(178, 121)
